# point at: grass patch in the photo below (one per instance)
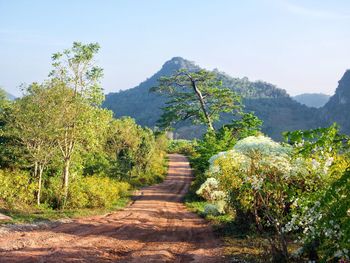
(33, 215)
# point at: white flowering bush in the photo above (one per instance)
(301, 188)
(210, 191)
(256, 174)
(326, 221)
(320, 217)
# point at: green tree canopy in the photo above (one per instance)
(198, 96)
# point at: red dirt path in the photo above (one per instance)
(154, 228)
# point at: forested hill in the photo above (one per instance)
(138, 102)
(273, 105)
(338, 107)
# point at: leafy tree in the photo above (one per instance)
(198, 96)
(224, 139)
(136, 153)
(247, 125)
(3, 105)
(74, 71)
(11, 150)
(6, 141)
(76, 68)
(30, 122)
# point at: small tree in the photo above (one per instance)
(198, 96)
(30, 122)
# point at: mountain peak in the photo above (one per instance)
(336, 108)
(342, 93)
(177, 63)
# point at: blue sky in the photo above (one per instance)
(301, 46)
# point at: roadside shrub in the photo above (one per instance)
(324, 226)
(88, 191)
(257, 175)
(16, 189)
(95, 192)
(321, 218)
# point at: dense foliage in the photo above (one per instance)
(60, 149)
(295, 190)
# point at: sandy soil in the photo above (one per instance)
(156, 227)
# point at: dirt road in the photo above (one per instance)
(155, 228)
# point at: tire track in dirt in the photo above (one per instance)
(156, 227)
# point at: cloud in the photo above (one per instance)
(311, 12)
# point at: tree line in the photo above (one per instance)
(58, 135)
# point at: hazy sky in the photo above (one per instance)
(301, 46)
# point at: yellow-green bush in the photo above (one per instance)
(87, 192)
(16, 189)
(95, 191)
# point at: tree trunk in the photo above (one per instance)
(41, 169)
(282, 241)
(35, 170)
(65, 181)
(202, 102)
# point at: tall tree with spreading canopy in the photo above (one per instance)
(198, 96)
(75, 71)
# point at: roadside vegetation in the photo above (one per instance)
(62, 155)
(275, 201)
(271, 201)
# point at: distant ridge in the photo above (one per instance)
(316, 100)
(273, 105)
(10, 96)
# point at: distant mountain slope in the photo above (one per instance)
(273, 105)
(10, 96)
(337, 109)
(7, 95)
(138, 102)
(316, 100)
